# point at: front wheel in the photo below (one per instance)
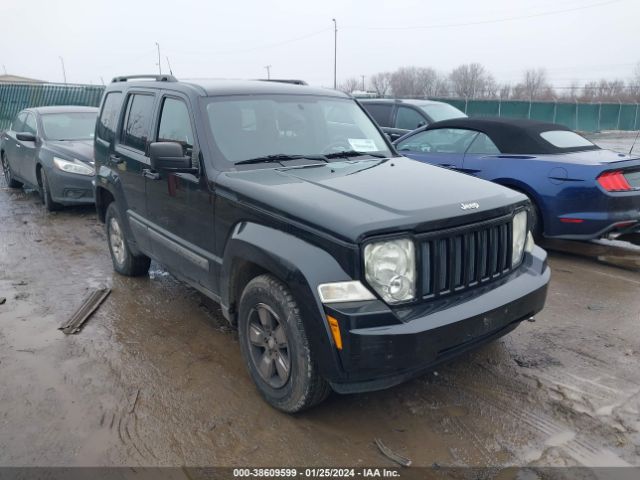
(274, 345)
(124, 262)
(45, 193)
(8, 175)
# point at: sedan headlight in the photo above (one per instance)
(390, 269)
(73, 166)
(519, 236)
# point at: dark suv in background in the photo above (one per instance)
(398, 117)
(343, 265)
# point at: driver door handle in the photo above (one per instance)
(151, 175)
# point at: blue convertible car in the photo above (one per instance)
(580, 191)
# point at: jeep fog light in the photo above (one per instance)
(344, 292)
(519, 237)
(390, 268)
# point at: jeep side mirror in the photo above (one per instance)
(26, 137)
(169, 156)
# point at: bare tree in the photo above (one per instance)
(381, 83)
(534, 85)
(471, 80)
(504, 92)
(349, 85)
(415, 82)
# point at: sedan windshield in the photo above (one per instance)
(69, 125)
(267, 128)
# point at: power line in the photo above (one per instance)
(485, 22)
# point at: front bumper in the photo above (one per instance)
(411, 340)
(70, 188)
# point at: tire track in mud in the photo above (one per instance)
(123, 424)
(553, 432)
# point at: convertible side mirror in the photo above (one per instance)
(169, 156)
(26, 137)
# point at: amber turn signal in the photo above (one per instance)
(335, 331)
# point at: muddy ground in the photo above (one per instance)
(156, 377)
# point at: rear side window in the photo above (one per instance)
(18, 123)
(30, 124)
(175, 123)
(108, 121)
(380, 112)
(138, 121)
(409, 119)
(565, 139)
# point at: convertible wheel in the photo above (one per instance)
(6, 170)
(45, 193)
(274, 345)
(124, 262)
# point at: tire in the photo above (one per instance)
(45, 193)
(124, 262)
(536, 221)
(8, 175)
(272, 337)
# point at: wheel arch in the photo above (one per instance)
(253, 249)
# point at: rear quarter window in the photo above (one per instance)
(108, 121)
(565, 139)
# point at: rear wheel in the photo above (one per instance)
(45, 193)
(8, 176)
(124, 261)
(274, 345)
(536, 226)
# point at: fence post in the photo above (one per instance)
(555, 109)
(500, 106)
(619, 114)
(635, 120)
(576, 122)
(466, 103)
(599, 112)
(529, 113)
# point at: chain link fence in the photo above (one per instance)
(18, 96)
(585, 117)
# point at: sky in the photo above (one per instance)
(574, 40)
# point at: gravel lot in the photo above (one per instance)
(156, 377)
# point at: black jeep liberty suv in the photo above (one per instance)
(343, 265)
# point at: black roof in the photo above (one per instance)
(206, 87)
(512, 135)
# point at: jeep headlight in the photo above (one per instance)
(390, 269)
(519, 236)
(73, 166)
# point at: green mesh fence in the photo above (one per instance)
(586, 117)
(17, 96)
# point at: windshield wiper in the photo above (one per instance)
(280, 157)
(354, 153)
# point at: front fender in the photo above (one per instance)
(299, 264)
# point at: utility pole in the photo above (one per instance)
(268, 67)
(169, 64)
(363, 83)
(159, 63)
(64, 73)
(335, 53)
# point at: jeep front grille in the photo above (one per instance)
(457, 259)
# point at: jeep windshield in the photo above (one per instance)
(252, 129)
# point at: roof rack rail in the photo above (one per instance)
(157, 78)
(292, 81)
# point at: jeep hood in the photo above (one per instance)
(354, 199)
